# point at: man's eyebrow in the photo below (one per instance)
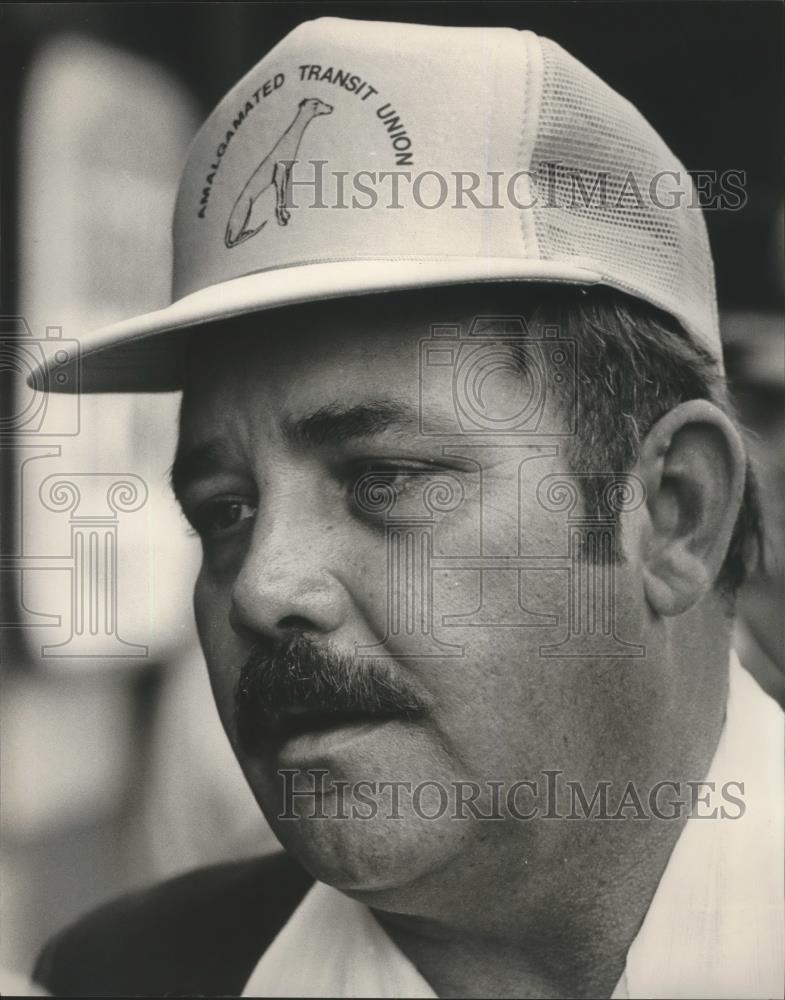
(330, 424)
(333, 423)
(194, 463)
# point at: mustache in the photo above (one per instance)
(302, 673)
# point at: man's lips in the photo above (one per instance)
(299, 720)
(306, 693)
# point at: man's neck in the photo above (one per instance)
(574, 943)
(561, 926)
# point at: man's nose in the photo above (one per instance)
(287, 581)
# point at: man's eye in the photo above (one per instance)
(217, 517)
(374, 489)
(395, 478)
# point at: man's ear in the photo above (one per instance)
(693, 465)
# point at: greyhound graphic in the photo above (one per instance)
(274, 170)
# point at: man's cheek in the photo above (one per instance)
(212, 602)
(218, 641)
(204, 612)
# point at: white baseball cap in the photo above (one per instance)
(345, 162)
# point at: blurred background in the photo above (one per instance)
(114, 770)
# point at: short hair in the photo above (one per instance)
(634, 364)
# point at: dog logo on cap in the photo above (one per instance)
(275, 170)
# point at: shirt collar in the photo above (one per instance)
(715, 926)
(332, 946)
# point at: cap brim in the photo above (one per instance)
(144, 354)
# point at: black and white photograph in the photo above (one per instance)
(392, 460)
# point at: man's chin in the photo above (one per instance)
(366, 857)
(351, 836)
(360, 806)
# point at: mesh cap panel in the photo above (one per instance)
(605, 185)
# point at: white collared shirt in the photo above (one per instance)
(715, 926)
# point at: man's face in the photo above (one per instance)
(326, 511)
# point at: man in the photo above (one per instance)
(473, 510)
